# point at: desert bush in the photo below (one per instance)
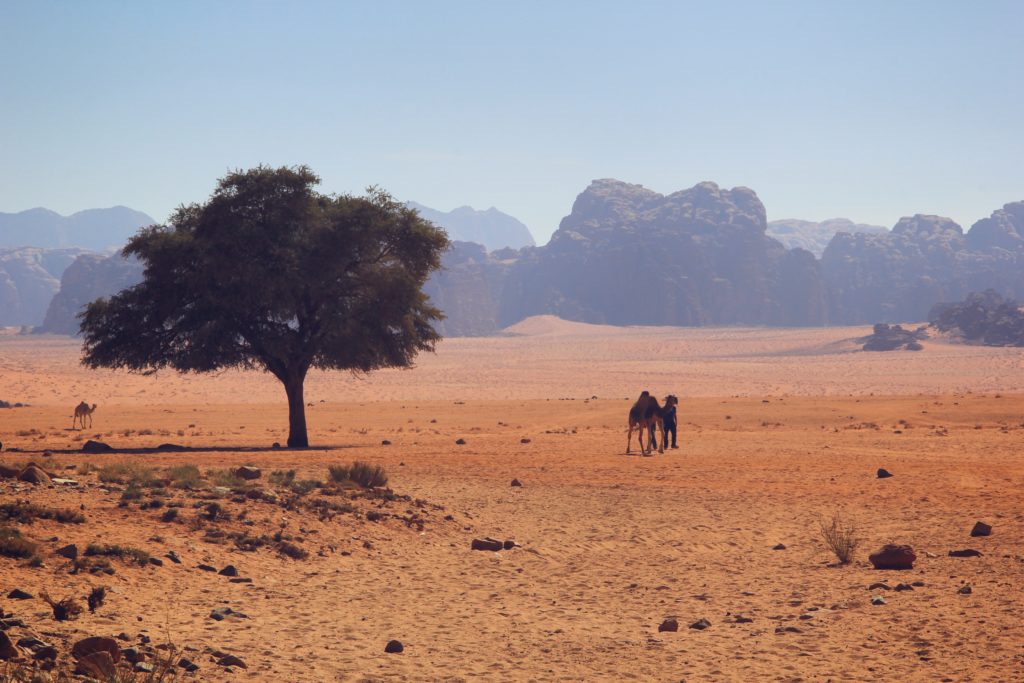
(840, 537)
(226, 478)
(124, 552)
(13, 544)
(169, 515)
(63, 610)
(338, 473)
(291, 550)
(364, 474)
(128, 473)
(25, 512)
(281, 477)
(86, 468)
(132, 492)
(303, 486)
(185, 476)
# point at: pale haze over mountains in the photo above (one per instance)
(96, 229)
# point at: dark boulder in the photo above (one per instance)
(894, 557)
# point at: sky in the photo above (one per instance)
(864, 110)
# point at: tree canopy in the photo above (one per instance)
(270, 274)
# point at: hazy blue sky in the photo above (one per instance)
(868, 110)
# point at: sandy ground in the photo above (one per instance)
(778, 429)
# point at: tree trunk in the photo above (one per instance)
(297, 437)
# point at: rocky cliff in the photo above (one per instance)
(814, 237)
(29, 278)
(491, 228)
(900, 275)
(90, 277)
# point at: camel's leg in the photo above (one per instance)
(629, 438)
(661, 444)
(74, 418)
(90, 422)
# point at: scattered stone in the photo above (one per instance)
(883, 473)
(68, 551)
(743, 620)
(133, 655)
(670, 624)
(487, 544)
(188, 665)
(877, 600)
(240, 580)
(96, 447)
(143, 668)
(229, 570)
(385, 442)
(98, 665)
(778, 546)
(173, 557)
(524, 440)
(156, 562)
(34, 474)
(94, 644)
(965, 590)
(11, 622)
(231, 660)
(206, 568)
(394, 647)
(893, 556)
(460, 442)
(879, 586)
(788, 629)
(8, 650)
(63, 482)
(700, 624)
(968, 552)
(18, 594)
(903, 587)
(516, 482)
(918, 584)
(508, 544)
(222, 613)
(248, 472)
(981, 529)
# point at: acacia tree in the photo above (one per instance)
(270, 274)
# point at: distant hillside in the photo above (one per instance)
(491, 228)
(29, 278)
(814, 237)
(96, 229)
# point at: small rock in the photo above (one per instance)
(700, 624)
(188, 664)
(460, 442)
(965, 590)
(97, 665)
(11, 622)
(743, 620)
(231, 660)
(18, 594)
(156, 562)
(206, 568)
(508, 544)
(173, 557)
(240, 579)
(894, 557)
(248, 472)
(981, 529)
(516, 482)
(394, 647)
(879, 586)
(877, 600)
(229, 570)
(903, 587)
(143, 668)
(64, 482)
(670, 624)
(778, 546)
(34, 474)
(94, 644)
(524, 440)
(487, 544)
(385, 442)
(883, 473)
(96, 447)
(133, 655)
(8, 650)
(275, 445)
(68, 551)
(968, 552)
(918, 584)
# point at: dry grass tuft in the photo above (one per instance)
(13, 544)
(840, 536)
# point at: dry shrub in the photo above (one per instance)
(13, 544)
(840, 536)
(128, 473)
(63, 610)
(124, 552)
(185, 476)
(25, 512)
(364, 474)
(291, 550)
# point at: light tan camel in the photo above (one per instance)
(82, 411)
(646, 414)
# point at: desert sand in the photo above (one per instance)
(778, 428)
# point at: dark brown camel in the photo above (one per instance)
(647, 414)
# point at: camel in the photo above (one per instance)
(647, 414)
(82, 411)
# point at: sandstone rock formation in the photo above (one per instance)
(29, 278)
(90, 277)
(491, 228)
(814, 237)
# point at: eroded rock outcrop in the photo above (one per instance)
(90, 277)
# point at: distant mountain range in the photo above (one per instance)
(627, 255)
(814, 237)
(491, 228)
(95, 229)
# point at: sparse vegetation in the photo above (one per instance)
(26, 512)
(65, 609)
(128, 473)
(185, 477)
(13, 544)
(281, 477)
(364, 474)
(124, 552)
(840, 536)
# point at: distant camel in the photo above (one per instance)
(82, 411)
(647, 414)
